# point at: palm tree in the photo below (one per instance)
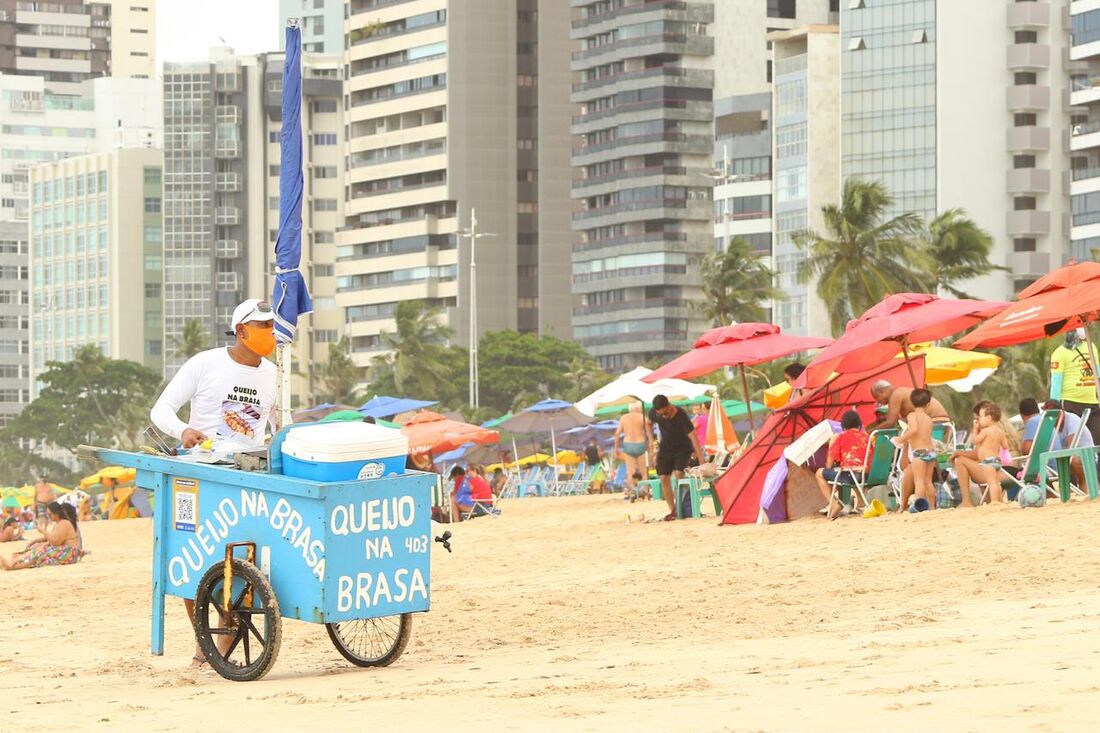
(958, 250)
(191, 341)
(737, 285)
(340, 376)
(584, 377)
(861, 258)
(417, 359)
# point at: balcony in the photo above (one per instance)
(1028, 56)
(668, 10)
(679, 43)
(1028, 139)
(227, 113)
(1029, 15)
(678, 76)
(227, 182)
(227, 216)
(626, 305)
(1022, 223)
(1029, 263)
(1085, 136)
(1028, 180)
(633, 239)
(631, 173)
(673, 142)
(227, 282)
(227, 249)
(1028, 97)
(227, 149)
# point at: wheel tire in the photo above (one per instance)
(372, 642)
(238, 622)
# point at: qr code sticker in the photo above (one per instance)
(186, 507)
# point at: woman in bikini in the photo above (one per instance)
(60, 545)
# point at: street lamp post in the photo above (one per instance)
(473, 235)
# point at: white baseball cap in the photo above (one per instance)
(252, 309)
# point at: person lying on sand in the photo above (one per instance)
(60, 545)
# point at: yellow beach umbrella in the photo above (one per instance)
(776, 396)
(530, 460)
(960, 370)
(566, 458)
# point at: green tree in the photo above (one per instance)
(584, 377)
(340, 376)
(956, 249)
(91, 399)
(512, 364)
(191, 341)
(737, 285)
(862, 257)
(418, 363)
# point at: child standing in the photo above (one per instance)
(848, 452)
(922, 459)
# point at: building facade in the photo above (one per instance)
(805, 110)
(321, 23)
(1085, 123)
(421, 78)
(644, 145)
(96, 258)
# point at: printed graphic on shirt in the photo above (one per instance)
(241, 413)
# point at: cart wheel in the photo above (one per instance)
(250, 629)
(372, 642)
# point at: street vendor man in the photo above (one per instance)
(231, 391)
(898, 405)
(677, 446)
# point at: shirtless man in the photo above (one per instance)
(983, 464)
(899, 405)
(634, 445)
(922, 459)
(43, 495)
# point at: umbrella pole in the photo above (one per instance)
(1092, 356)
(908, 362)
(554, 453)
(748, 401)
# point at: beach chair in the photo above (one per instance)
(698, 489)
(580, 483)
(536, 483)
(1062, 459)
(1034, 469)
(482, 508)
(880, 466)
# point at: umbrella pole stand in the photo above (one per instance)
(1092, 352)
(908, 361)
(745, 391)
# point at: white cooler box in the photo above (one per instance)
(344, 451)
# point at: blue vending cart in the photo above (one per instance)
(253, 547)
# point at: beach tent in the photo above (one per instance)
(741, 487)
(630, 388)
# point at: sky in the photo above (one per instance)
(186, 29)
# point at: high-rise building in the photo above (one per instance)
(644, 131)
(743, 205)
(446, 115)
(1084, 69)
(321, 23)
(805, 114)
(95, 252)
(986, 143)
(66, 42)
(14, 310)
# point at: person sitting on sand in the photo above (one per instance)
(922, 458)
(11, 531)
(60, 545)
(847, 452)
(461, 500)
(983, 464)
(899, 404)
(632, 433)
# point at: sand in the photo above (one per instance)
(560, 615)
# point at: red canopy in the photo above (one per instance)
(1063, 299)
(739, 489)
(430, 431)
(742, 344)
(886, 328)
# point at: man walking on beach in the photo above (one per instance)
(678, 444)
(43, 495)
(632, 433)
(231, 392)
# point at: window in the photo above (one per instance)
(326, 336)
(324, 204)
(1022, 78)
(152, 262)
(154, 348)
(1025, 119)
(151, 176)
(273, 203)
(153, 290)
(1027, 37)
(152, 205)
(782, 9)
(324, 138)
(1023, 203)
(273, 136)
(323, 270)
(153, 235)
(273, 170)
(1023, 161)
(322, 106)
(324, 237)
(324, 171)
(1023, 244)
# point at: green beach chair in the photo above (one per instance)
(1035, 469)
(880, 463)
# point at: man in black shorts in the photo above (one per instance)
(678, 444)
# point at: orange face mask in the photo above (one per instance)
(260, 341)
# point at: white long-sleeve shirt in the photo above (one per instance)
(229, 400)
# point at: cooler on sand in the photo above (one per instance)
(344, 451)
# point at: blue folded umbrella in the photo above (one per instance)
(383, 406)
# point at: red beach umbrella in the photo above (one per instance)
(892, 325)
(430, 431)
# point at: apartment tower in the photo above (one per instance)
(643, 151)
(445, 115)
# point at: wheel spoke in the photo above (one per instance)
(233, 646)
(248, 622)
(247, 648)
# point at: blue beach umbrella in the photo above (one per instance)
(383, 406)
(547, 416)
(290, 296)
